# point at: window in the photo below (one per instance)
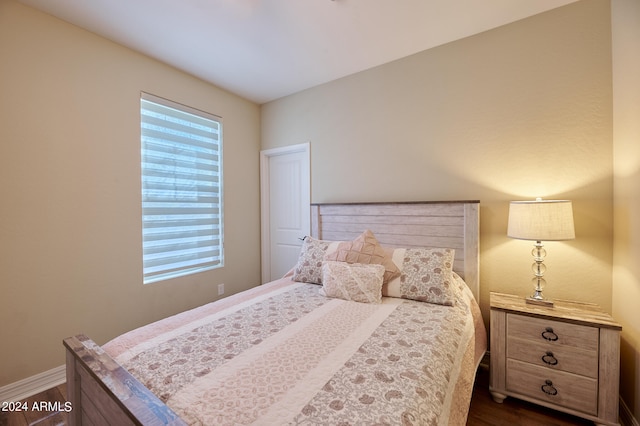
(181, 189)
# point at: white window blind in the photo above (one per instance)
(181, 189)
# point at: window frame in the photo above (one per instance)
(189, 247)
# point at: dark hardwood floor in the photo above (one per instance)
(40, 416)
(512, 412)
(483, 411)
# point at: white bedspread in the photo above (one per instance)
(284, 354)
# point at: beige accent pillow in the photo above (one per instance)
(309, 266)
(427, 276)
(353, 281)
(366, 250)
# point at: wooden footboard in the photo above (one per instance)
(102, 392)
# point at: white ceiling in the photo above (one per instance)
(266, 49)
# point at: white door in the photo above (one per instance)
(286, 195)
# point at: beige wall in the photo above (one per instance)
(513, 113)
(525, 110)
(521, 111)
(70, 226)
(626, 146)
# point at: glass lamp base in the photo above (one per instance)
(538, 281)
(542, 302)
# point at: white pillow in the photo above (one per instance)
(353, 281)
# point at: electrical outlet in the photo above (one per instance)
(220, 289)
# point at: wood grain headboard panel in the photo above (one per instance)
(450, 224)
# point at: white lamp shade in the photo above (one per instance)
(541, 220)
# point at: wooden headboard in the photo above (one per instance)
(450, 224)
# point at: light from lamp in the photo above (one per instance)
(541, 220)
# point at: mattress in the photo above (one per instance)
(284, 353)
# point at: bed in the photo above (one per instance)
(369, 344)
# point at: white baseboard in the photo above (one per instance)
(33, 385)
(626, 416)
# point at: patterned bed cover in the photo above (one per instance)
(281, 353)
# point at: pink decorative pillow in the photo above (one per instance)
(366, 250)
(353, 281)
(427, 276)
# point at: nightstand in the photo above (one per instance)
(566, 357)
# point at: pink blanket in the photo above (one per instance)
(282, 353)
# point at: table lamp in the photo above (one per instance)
(540, 220)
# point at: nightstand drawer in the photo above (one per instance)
(553, 332)
(556, 357)
(579, 374)
(555, 387)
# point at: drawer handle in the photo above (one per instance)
(548, 388)
(549, 359)
(549, 335)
